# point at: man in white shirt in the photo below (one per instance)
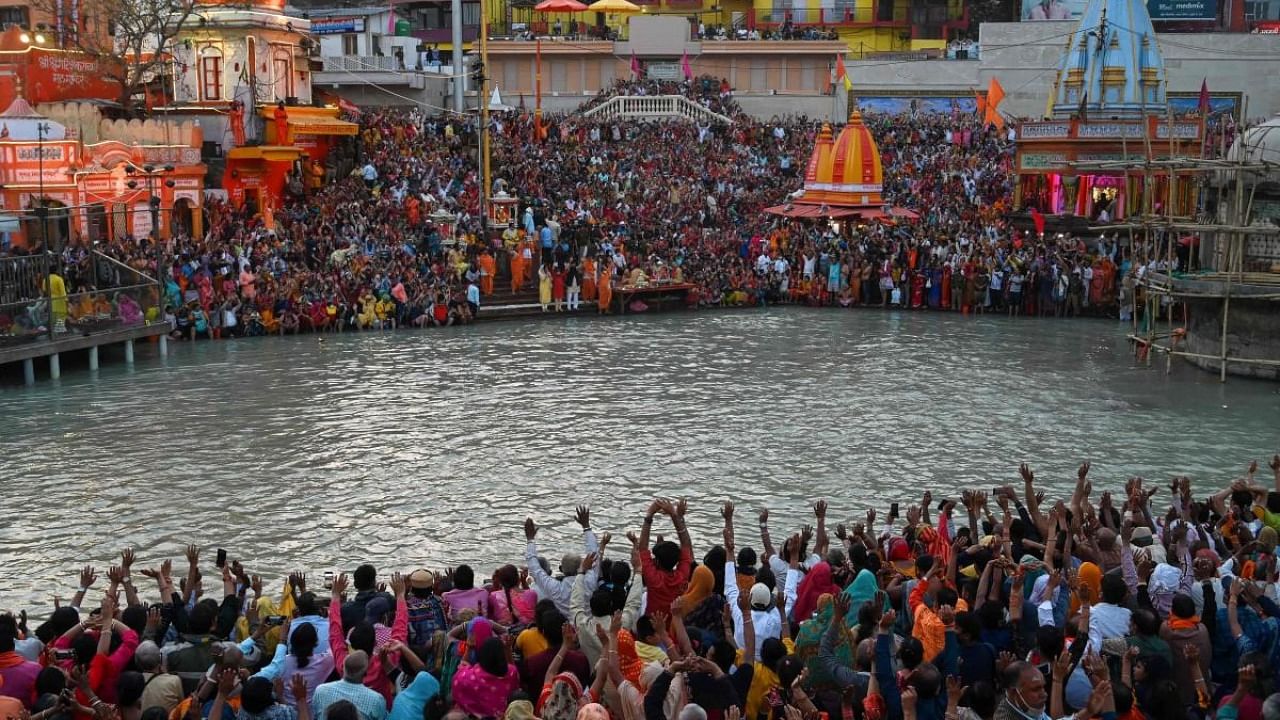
(1109, 619)
(559, 590)
(763, 263)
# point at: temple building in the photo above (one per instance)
(1107, 107)
(95, 179)
(243, 71)
(843, 180)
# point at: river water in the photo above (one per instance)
(425, 448)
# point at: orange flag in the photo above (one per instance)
(981, 102)
(995, 95)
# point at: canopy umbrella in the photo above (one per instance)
(618, 7)
(560, 6)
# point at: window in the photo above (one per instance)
(282, 72)
(375, 46)
(210, 74)
(19, 16)
(350, 44)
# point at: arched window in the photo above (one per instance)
(282, 71)
(210, 73)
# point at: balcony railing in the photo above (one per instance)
(365, 63)
(655, 106)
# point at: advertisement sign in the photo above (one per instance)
(1036, 10)
(55, 76)
(1183, 9)
(337, 25)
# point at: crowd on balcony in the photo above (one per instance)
(1132, 599)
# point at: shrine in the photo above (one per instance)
(1108, 115)
(843, 180)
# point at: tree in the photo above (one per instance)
(132, 40)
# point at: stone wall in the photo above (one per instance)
(1253, 331)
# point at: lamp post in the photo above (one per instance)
(42, 212)
(150, 175)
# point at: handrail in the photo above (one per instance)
(654, 106)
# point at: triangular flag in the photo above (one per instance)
(1038, 220)
(842, 74)
(635, 65)
(1203, 105)
(684, 66)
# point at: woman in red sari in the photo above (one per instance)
(946, 287)
(557, 286)
(917, 289)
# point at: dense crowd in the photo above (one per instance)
(609, 203)
(984, 606)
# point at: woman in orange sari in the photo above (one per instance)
(605, 287)
(589, 279)
(517, 269)
(488, 268)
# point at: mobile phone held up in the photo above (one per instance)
(275, 620)
(328, 579)
(893, 510)
(222, 558)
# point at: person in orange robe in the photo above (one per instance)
(589, 279)
(488, 268)
(517, 269)
(281, 118)
(604, 287)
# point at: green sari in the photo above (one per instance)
(809, 640)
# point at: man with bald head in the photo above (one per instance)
(350, 688)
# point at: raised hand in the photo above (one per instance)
(678, 610)
(908, 701)
(589, 562)
(340, 585)
(227, 681)
(843, 604)
(633, 538)
(397, 584)
(530, 529)
(126, 560)
(298, 580)
(116, 575)
(583, 515)
(955, 690)
(887, 620)
(820, 509)
(764, 516)
(681, 507)
(871, 520)
(726, 511)
(1028, 476)
(1083, 472)
(298, 687)
(193, 555)
(570, 633)
(255, 582)
(88, 576)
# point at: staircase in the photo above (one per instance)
(654, 106)
(505, 304)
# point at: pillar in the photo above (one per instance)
(55, 366)
(164, 346)
(128, 350)
(93, 358)
(29, 371)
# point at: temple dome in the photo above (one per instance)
(846, 171)
(1112, 64)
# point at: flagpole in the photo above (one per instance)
(537, 90)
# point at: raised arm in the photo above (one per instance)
(1029, 493)
(765, 543)
(337, 634)
(823, 542)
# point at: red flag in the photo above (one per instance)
(635, 66)
(684, 66)
(1204, 96)
(1038, 220)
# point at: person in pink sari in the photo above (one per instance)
(482, 689)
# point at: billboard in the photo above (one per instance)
(1183, 9)
(60, 75)
(337, 25)
(1035, 10)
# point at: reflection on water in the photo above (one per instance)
(430, 448)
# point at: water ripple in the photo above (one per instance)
(411, 449)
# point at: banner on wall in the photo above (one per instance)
(1036, 10)
(55, 76)
(337, 25)
(1183, 9)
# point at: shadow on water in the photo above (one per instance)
(423, 448)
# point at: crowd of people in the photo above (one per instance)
(1121, 604)
(615, 202)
